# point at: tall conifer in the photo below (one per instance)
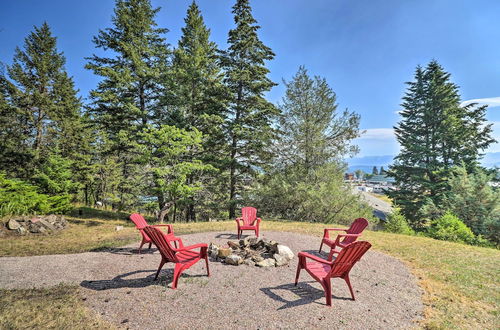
(435, 134)
(200, 95)
(42, 105)
(313, 131)
(249, 125)
(130, 95)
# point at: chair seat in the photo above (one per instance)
(318, 269)
(247, 227)
(185, 256)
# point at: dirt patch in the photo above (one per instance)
(118, 284)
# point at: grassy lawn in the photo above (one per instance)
(460, 282)
(56, 308)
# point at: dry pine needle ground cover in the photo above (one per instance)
(460, 282)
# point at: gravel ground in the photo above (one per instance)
(118, 284)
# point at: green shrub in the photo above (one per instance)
(450, 228)
(319, 196)
(397, 223)
(20, 198)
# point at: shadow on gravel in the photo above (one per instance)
(121, 281)
(230, 236)
(126, 251)
(306, 294)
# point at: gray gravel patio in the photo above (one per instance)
(118, 284)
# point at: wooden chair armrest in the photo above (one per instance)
(339, 236)
(315, 258)
(192, 247)
(336, 229)
(326, 233)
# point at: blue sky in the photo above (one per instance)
(366, 49)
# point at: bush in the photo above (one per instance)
(20, 198)
(475, 202)
(320, 196)
(450, 228)
(397, 223)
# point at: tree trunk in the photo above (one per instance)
(164, 211)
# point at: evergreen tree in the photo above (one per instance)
(375, 170)
(435, 134)
(16, 151)
(313, 132)
(249, 126)
(200, 95)
(130, 95)
(166, 152)
(41, 105)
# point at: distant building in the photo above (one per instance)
(349, 177)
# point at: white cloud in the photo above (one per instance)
(382, 141)
(490, 101)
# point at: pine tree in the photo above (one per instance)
(130, 96)
(435, 134)
(313, 131)
(200, 95)
(375, 170)
(42, 105)
(249, 126)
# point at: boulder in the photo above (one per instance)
(249, 262)
(255, 241)
(266, 263)
(213, 251)
(280, 260)
(257, 258)
(233, 245)
(234, 259)
(272, 247)
(46, 224)
(224, 252)
(13, 224)
(21, 231)
(285, 251)
(36, 228)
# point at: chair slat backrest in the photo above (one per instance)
(138, 220)
(161, 242)
(348, 257)
(249, 214)
(357, 227)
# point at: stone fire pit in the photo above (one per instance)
(251, 251)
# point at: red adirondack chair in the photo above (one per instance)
(323, 270)
(248, 221)
(140, 224)
(183, 257)
(342, 240)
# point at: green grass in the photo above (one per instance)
(59, 307)
(460, 282)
